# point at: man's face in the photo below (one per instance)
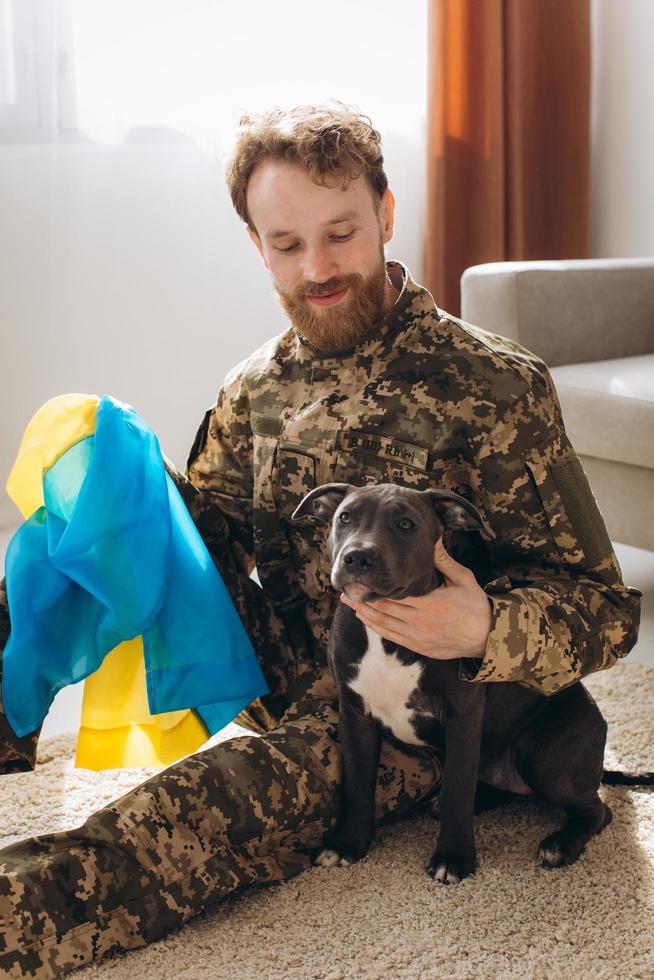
(324, 247)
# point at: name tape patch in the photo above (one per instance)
(376, 444)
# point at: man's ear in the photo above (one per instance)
(387, 215)
(257, 242)
(458, 514)
(322, 502)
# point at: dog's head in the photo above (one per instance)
(382, 537)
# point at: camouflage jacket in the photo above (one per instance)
(428, 401)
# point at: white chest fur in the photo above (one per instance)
(385, 684)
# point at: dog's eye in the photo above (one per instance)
(405, 523)
(344, 517)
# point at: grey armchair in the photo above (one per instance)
(592, 322)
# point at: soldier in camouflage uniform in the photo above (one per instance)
(398, 392)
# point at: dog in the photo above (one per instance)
(503, 735)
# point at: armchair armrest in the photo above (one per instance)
(565, 311)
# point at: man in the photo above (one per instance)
(370, 383)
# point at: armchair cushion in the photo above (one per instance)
(608, 408)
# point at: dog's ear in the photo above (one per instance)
(458, 514)
(322, 502)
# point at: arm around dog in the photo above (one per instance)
(560, 608)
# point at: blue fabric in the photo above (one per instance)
(114, 553)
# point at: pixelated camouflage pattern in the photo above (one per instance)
(247, 811)
(427, 401)
(424, 400)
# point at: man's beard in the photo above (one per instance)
(342, 325)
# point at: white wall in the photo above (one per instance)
(623, 128)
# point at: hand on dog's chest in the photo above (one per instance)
(387, 686)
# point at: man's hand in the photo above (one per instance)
(449, 622)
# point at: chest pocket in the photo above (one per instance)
(362, 470)
(294, 476)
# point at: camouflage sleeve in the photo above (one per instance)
(217, 485)
(560, 607)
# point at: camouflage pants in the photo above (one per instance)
(251, 809)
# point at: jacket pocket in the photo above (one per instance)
(573, 516)
(295, 476)
(361, 470)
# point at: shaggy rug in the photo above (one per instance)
(384, 917)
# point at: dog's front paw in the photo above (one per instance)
(449, 867)
(329, 858)
(339, 852)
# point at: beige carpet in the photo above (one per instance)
(384, 917)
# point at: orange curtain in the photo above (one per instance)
(508, 136)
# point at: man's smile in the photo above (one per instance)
(330, 298)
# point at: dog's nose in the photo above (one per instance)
(360, 561)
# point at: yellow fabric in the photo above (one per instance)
(117, 729)
(59, 424)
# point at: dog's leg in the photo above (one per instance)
(560, 755)
(454, 857)
(585, 819)
(354, 833)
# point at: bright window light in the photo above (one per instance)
(190, 67)
(7, 66)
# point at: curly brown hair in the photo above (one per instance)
(329, 141)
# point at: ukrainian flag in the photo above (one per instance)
(108, 579)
